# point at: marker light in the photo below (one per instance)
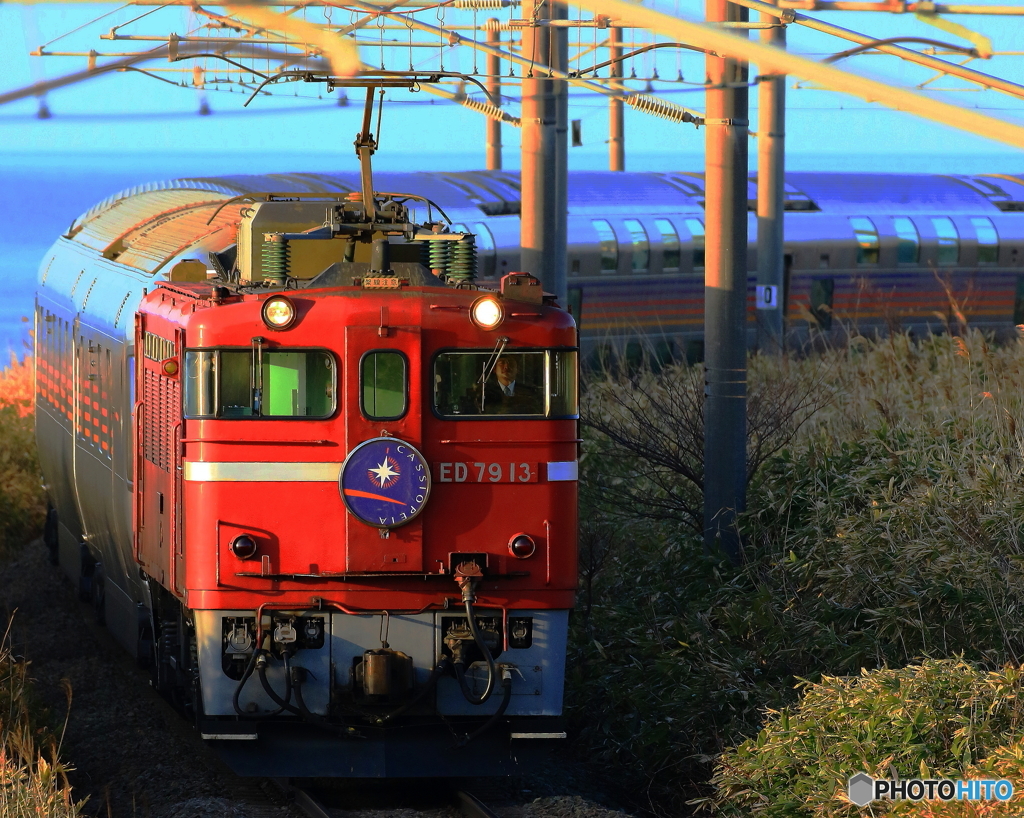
(522, 546)
(170, 367)
(243, 547)
(487, 312)
(278, 312)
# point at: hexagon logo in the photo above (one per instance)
(861, 789)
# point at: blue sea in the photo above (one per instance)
(43, 193)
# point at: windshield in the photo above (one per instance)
(536, 383)
(222, 383)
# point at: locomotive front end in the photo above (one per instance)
(356, 508)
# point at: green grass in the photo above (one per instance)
(887, 530)
(940, 719)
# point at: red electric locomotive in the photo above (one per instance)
(352, 480)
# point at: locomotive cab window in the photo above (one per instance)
(534, 383)
(235, 383)
(383, 378)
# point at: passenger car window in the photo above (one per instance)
(221, 383)
(534, 383)
(867, 239)
(988, 240)
(822, 290)
(488, 254)
(948, 238)
(669, 244)
(641, 246)
(383, 379)
(609, 246)
(909, 251)
(696, 228)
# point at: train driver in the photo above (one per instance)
(507, 394)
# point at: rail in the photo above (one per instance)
(469, 805)
(473, 807)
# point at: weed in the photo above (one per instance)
(885, 528)
(22, 502)
(33, 781)
(939, 719)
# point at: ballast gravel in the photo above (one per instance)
(133, 756)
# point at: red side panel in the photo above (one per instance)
(159, 549)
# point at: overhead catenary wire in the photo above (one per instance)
(649, 104)
(774, 60)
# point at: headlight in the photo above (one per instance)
(487, 312)
(278, 312)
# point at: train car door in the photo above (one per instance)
(384, 399)
(158, 427)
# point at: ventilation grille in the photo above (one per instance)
(162, 399)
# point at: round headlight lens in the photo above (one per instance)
(487, 313)
(522, 546)
(278, 312)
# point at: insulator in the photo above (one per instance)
(492, 111)
(661, 107)
(439, 255)
(485, 4)
(275, 258)
(463, 259)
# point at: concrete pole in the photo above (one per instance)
(616, 113)
(560, 55)
(771, 171)
(494, 89)
(543, 219)
(725, 295)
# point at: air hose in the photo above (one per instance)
(492, 668)
(506, 697)
(285, 703)
(435, 674)
(245, 677)
(298, 678)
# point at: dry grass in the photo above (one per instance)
(33, 781)
(887, 531)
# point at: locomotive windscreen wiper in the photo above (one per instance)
(257, 375)
(499, 347)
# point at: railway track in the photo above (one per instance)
(306, 800)
(133, 753)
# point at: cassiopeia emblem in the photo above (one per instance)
(385, 482)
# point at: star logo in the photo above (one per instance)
(386, 474)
